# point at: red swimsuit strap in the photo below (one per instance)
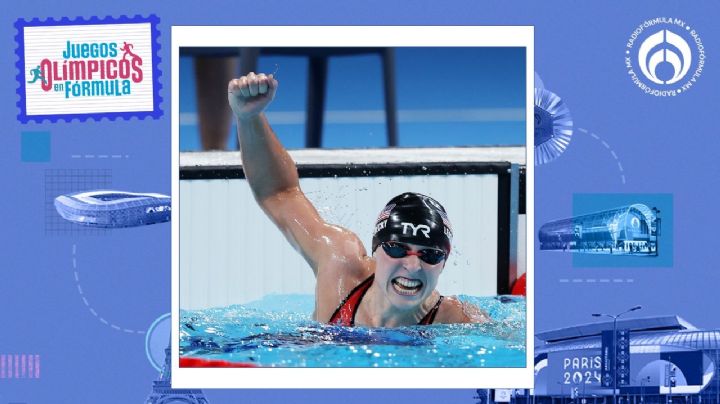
(344, 315)
(430, 316)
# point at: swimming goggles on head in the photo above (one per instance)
(398, 250)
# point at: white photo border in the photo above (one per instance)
(343, 36)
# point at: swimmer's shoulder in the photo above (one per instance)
(341, 251)
(351, 268)
(453, 310)
(344, 265)
(336, 279)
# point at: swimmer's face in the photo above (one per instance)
(409, 280)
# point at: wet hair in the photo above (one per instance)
(413, 218)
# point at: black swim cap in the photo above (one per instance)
(413, 218)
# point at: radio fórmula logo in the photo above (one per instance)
(664, 57)
(649, 62)
(90, 70)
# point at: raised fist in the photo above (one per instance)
(250, 95)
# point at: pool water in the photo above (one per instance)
(278, 331)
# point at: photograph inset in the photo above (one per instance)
(356, 216)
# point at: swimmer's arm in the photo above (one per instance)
(267, 165)
(272, 176)
(323, 245)
(464, 312)
(474, 314)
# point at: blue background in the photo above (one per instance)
(425, 81)
(665, 145)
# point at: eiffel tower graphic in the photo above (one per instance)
(164, 394)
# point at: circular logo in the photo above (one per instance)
(664, 57)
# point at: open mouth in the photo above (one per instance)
(406, 287)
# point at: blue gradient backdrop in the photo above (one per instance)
(665, 145)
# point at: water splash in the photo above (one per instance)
(277, 331)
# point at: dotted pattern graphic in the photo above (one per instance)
(99, 156)
(595, 280)
(612, 152)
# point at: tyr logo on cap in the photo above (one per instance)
(424, 229)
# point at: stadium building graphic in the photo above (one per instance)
(631, 229)
(659, 360)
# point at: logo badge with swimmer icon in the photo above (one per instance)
(113, 209)
(94, 68)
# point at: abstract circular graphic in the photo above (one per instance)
(538, 82)
(157, 339)
(553, 126)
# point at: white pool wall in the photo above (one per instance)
(231, 253)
